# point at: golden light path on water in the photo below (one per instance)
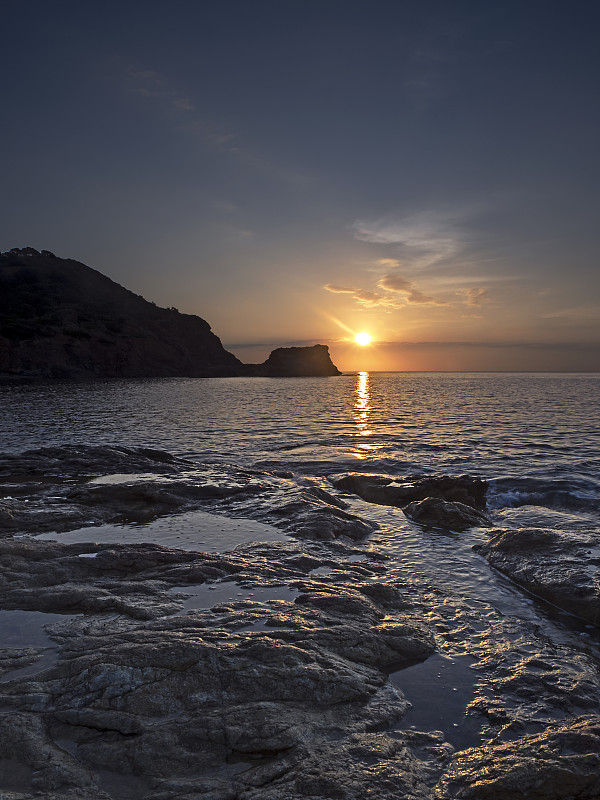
(362, 412)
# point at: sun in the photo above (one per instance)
(363, 338)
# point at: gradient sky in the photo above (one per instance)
(296, 171)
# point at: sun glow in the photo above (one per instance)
(363, 338)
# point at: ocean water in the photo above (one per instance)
(534, 437)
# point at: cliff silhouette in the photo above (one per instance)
(62, 319)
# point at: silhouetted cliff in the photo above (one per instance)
(62, 319)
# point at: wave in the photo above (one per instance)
(568, 495)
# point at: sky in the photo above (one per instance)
(297, 171)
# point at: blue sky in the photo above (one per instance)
(296, 172)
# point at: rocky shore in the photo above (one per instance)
(285, 669)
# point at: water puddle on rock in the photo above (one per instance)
(193, 530)
(439, 690)
(123, 787)
(28, 628)
(207, 595)
(20, 630)
(321, 571)
(123, 477)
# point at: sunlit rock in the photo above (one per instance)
(148, 484)
(164, 705)
(560, 763)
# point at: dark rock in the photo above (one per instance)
(51, 491)
(438, 513)
(559, 567)
(173, 699)
(398, 490)
(287, 362)
(366, 765)
(558, 764)
(62, 319)
(81, 461)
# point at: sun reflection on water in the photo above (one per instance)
(362, 412)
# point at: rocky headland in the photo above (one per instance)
(61, 319)
(278, 670)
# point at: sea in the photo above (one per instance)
(534, 436)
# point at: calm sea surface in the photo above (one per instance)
(510, 426)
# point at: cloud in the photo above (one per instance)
(366, 298)
(168, 98)
(420, 239)
(146, 75)
(224, 205)
(151, 84)
(340, 289)
(212, 134)
(577, 313)
(476, 296)
(183, 104)
(373, 298)
(393, 285)
(393, 282)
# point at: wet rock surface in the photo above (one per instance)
(559, 567)
(444, 514)
(560, 763)
(180, 698)
(397, 490)
(59, 489)
(308, 668)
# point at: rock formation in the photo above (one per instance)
(62, 319)
(51, 504)
(400, 490)
(437, 513)
(561, 567)
(279, 670)
(296, 361)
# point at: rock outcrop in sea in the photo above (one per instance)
(61, 319)
(296, 361)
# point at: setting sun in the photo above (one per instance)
(363, 338)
